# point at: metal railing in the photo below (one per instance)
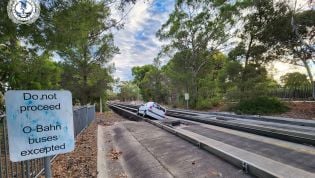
(303, 93)
(82, 117)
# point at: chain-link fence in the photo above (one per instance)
(82, 117)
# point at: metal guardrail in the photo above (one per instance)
(82, 117)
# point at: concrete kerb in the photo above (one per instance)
(292, 136)
(250, 166)
(130, 115)
(101, 154)
(292, 121)
(301, 122)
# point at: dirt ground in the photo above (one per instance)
(82, 161)
(300, 110)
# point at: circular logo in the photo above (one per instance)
(23, 11)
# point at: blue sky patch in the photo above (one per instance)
(137, 41)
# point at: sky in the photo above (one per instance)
(139, 46)
(137, 41)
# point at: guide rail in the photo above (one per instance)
(258, 155)
(284, 131)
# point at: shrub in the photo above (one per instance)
(227, 107)
(216, 101)
(203, 104)
(260, 105)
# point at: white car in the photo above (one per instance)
(152, 110)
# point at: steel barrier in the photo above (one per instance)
(301, 93)
(82, 117)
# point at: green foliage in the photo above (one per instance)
(40, 74)
(85, 46)
(110, 95)
(291, 33)
(295, 80)
(237, 82)
(194, 33)
(1, 102)
(77, 31)
(208, 103)
(128, 92)
(229, 76)
(152, 82)
(260, 105)
(203, 104)
(255, 82)
(29, 72)
(89, 86)
(139, 72)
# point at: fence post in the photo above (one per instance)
(86, 116)
(47, 165)
(28, 169)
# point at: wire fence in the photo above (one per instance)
(82, 117)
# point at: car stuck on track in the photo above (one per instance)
(152, 110)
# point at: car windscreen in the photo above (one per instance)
(160, 108)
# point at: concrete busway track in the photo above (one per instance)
(281, 120)
(281, 129)
(260, 156)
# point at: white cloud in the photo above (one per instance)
(278, 69)
(137, 42)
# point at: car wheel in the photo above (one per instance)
(138, 112)
(145, 114)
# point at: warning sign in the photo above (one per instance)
(40, 123)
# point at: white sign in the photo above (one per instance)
(186, 96)
(40, 123)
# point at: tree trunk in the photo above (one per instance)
(308, 69)
(248, 50)
(295, 30)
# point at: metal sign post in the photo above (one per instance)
(101, 105)
(47, 167)
(187, 99)
(28, 170)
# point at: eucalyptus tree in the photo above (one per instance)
(274, 30)
(128, 91)
(151, 81)
(80, 36)
(24, 62)
(291, 38)
(294, 80)
(139, 72)
(253, 19)
(195, 31)
(76, 31)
